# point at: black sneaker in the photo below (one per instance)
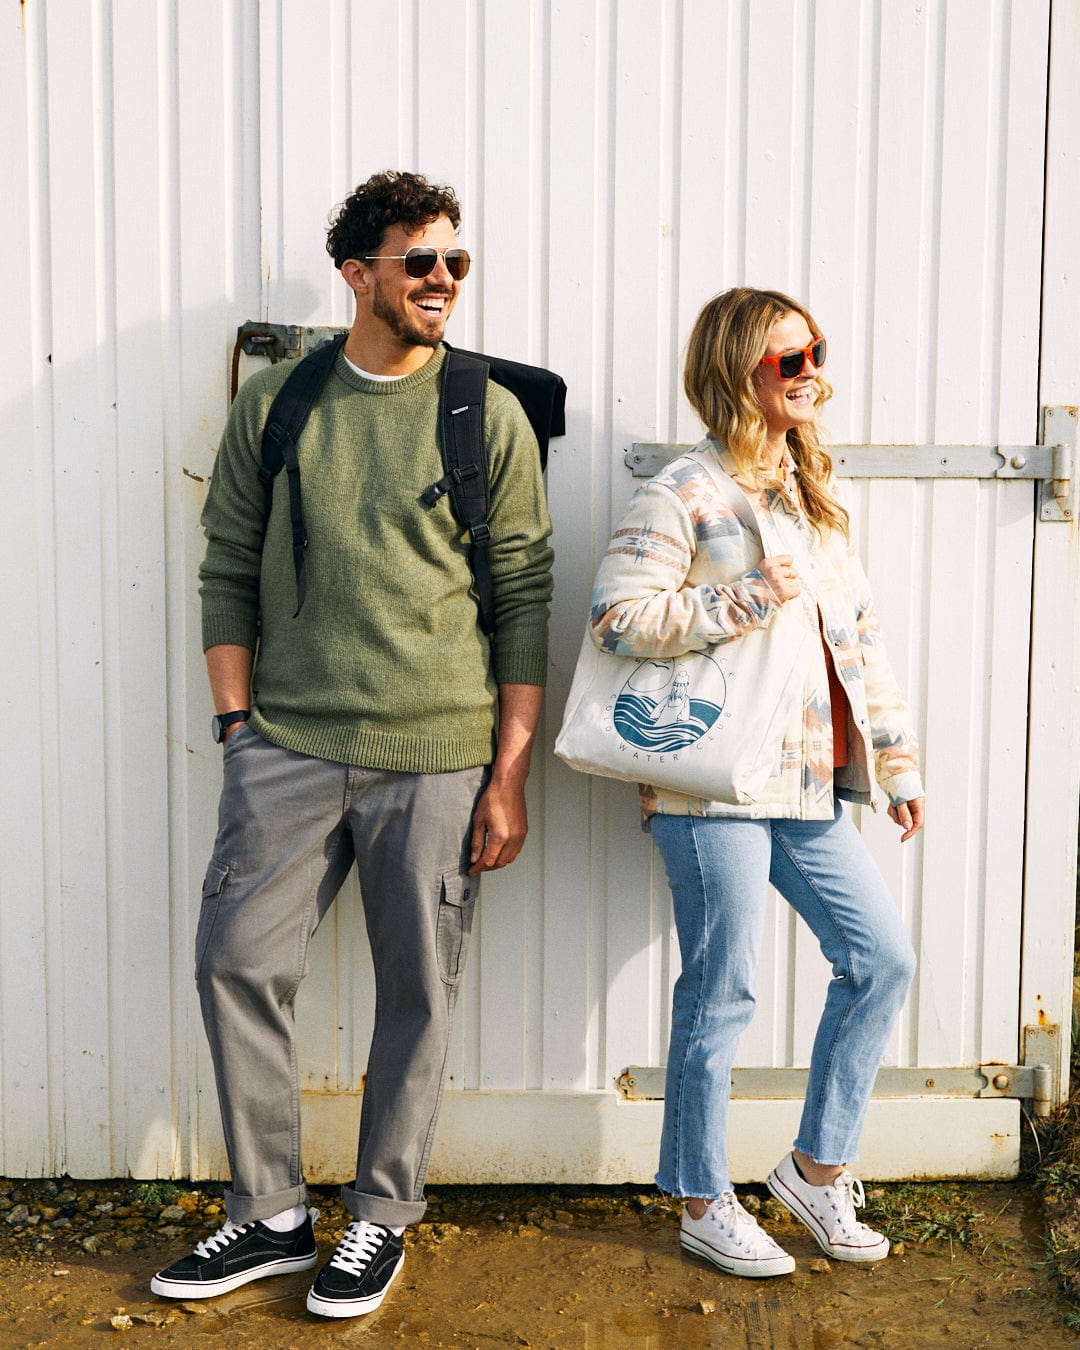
(359, 1273)
(235, 1255)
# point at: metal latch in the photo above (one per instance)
(1035, 1080)
(1051, 461)
(282, 341)
(645, 458)
(278, 341)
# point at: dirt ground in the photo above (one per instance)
(559, 1267)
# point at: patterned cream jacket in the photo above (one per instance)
(680, 575)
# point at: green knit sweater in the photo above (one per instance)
(385, 665)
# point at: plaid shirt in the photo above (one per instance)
(680, 575)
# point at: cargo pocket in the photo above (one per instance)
(456, 904)
(217, 874)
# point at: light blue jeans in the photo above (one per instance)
(718, 871)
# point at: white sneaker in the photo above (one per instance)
(829, 1212)
(733, 1240)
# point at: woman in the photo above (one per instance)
(685, 572)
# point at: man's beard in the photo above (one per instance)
(405, 332)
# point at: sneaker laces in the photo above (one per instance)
(360, 1243)
(743, 1227)
(220, 1240)
(851, 1196)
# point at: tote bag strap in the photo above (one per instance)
(740, 504)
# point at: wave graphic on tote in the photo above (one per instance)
(656, 711)
(707, 724)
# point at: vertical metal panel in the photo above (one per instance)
(171, 170)
(1053, 794)
(29, 1038)
(136, 809)
(777, 135)
(577, 292)
(81, 380)
(889, 379)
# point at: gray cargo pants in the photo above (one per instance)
(289, 829)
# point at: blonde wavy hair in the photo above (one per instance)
(729, 339)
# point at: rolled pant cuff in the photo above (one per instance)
(381, 1209)
(245, 1208)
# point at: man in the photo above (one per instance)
(359, 726)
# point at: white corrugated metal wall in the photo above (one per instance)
(170, 167)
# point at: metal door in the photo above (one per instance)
(169, 168)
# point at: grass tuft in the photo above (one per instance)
(934, 1213)
(156, 1193)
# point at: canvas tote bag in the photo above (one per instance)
(708, 723)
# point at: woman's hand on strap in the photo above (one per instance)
(909, 816)
(779, 572)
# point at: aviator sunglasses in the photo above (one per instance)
(420, 261)
(789, 365)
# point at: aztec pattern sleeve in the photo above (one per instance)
(679, 574)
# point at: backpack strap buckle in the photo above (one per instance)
(447, 483)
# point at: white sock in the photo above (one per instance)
(397, 1232)
(287, 1220)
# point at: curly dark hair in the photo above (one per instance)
(358, 225)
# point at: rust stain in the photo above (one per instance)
(195, 476)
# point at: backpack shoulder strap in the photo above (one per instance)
(288, 415)
(541, 393)
(465, 465)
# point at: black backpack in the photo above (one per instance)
(541, 393)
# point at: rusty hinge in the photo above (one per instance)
(1036, 1079)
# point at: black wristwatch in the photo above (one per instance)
(221, 721)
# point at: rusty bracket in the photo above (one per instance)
(282, 341)
(278, 341)
(1036, 1079)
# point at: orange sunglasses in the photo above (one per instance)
(791, 364)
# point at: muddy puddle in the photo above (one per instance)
(525, 1267)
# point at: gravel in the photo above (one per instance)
(65, 1216)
